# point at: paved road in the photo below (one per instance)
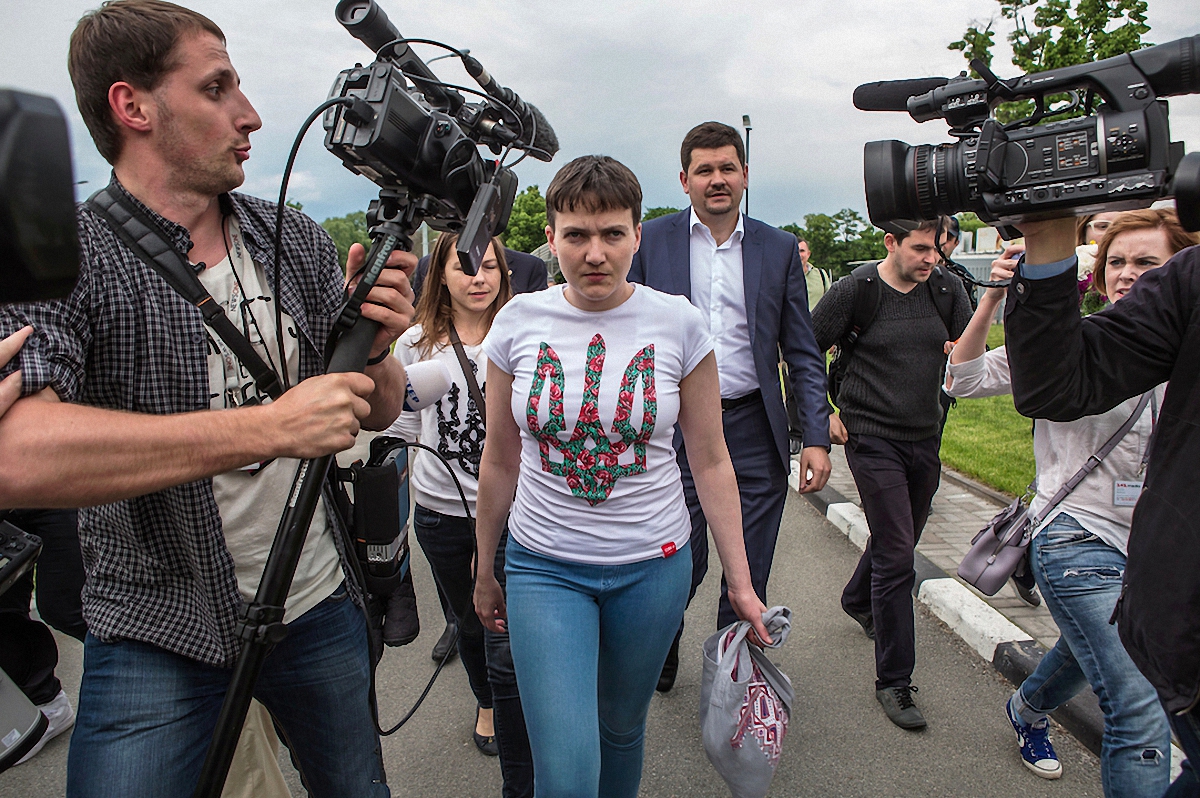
(839, 743)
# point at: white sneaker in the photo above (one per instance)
(61, 718)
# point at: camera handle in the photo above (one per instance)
(261, 620)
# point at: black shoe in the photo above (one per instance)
(400, 623)
(865, 620)
(487, 745)
(666, 679)
(897, 702)
(1027, 589)
(446, 643)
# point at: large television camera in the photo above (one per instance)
(419, 141)
(1117, 156)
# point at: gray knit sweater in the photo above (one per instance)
(891, 386)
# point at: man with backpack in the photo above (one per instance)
(891, 321)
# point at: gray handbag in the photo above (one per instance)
(745, 705)
(1000, 547)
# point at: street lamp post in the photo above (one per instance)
(746, 124)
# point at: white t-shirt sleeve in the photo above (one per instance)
(408, 424)
(498, 343)
(697, 342)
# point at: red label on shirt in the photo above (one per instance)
(668, 549)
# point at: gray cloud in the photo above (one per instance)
(624, 78)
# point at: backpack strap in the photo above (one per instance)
(145, 239)
(867, 295)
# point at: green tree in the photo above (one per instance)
(968, 222)
(346, 230)
(527, 224)
(1063, 33)
(654, 213)
(297, 204)
(838, 240)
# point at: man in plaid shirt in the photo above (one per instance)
(130, 399)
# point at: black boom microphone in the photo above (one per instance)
(538, 134)
(892, 95)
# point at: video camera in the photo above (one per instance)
(419, 142)
(39, 246)
(1118, 156)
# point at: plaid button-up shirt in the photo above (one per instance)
(157, 566)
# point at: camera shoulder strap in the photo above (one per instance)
(472, 384)
(943, 296)
(145, 239)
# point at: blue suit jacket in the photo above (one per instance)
(776, 313)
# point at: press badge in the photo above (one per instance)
(1126, 492)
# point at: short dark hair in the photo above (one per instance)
(125, 40)
(940, 224)
(711, 136)
(594, 183)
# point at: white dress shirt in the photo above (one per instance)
(719, 291)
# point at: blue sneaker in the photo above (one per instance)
(1034, 740)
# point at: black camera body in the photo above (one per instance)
(1118, 157)
(404, 143)
(417, 138)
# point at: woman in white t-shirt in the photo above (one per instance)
(454, 303)
(586, 383)
(1078, 554)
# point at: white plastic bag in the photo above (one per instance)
(745, 705)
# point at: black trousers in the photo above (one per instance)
(449, 545)
(28, 653)
(896, 481)
(762, 486)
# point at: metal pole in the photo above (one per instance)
(746, 124)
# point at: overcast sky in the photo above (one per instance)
(623, 78)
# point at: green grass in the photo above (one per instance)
(987, 439)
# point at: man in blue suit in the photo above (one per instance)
(748, 280)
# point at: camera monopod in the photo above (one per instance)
(261, 620)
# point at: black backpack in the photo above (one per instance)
(867, 295)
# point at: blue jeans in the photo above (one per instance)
(588, 643)
(146, 715)
(1187, 729)
(1080, 576)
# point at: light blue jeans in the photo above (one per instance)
(1080, 576)
(588, 643)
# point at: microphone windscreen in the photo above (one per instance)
(892, 95)
(428, 381)
(545, 140)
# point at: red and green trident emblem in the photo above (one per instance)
(589, 461)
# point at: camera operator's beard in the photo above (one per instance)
(209, 173)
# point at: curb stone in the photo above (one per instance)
(995, 638)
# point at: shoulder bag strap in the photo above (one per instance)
(472, 384)
(1093, 461)
(143, 237)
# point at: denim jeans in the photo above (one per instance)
(146, 715)
(1080, 576)
(449, 544)
(1187, 729)
(589, 642)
